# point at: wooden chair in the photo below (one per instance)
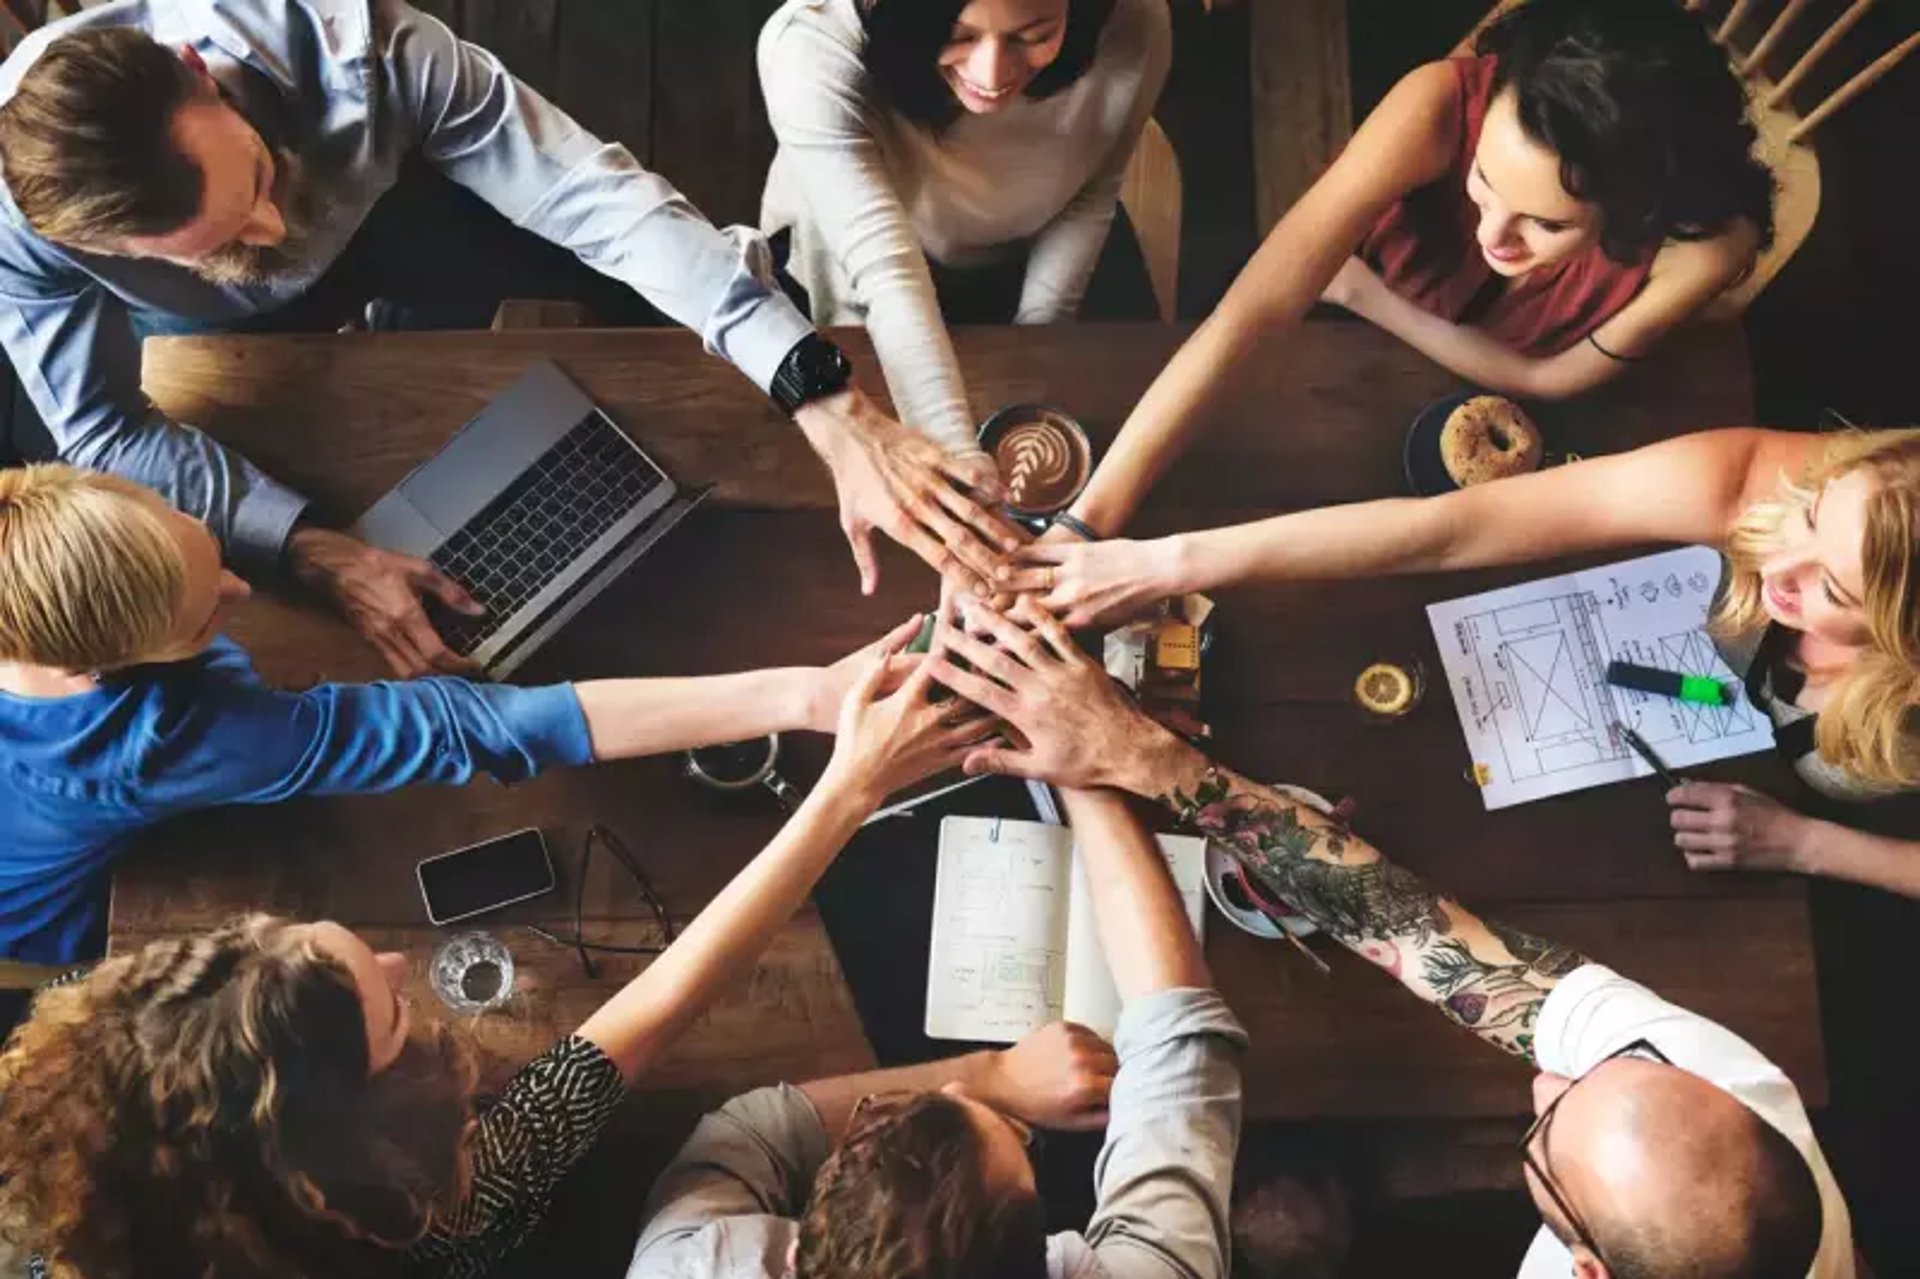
(1150, 193)
(1786, 143)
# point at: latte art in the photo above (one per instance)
(1042, 457)
(1035, 457)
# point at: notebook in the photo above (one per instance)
(1014, 942)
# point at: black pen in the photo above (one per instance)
(1646, 752)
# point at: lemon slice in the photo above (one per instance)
(1384, 689)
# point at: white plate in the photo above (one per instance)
(1220, 863)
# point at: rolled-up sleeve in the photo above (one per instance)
(731, 1191)
(529, 160)
(73, 346)
(1166, 1172)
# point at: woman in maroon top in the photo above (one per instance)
(1531, 218)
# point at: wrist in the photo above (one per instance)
(833, 422)
(1809, 843)
(812, 700)
(1156, 763)
(1171, 565)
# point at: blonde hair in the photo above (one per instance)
(1870, 724)
(202, 1108)
(91, 577)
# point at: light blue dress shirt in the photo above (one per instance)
(362, 84)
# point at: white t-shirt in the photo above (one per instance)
(870, 195)
(1595, 1012)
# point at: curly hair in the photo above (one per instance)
(1644, 111)
(1870, 725)
(202, 1109)
(905, 1196)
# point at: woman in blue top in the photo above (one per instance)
(121, 704)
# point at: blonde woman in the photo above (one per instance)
(1819, 610)
(122, 704)
(262, 1100)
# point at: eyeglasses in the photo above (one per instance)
(878, 1106)
(598, 834)
(1537, 1132)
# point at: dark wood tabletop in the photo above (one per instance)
(762, 577)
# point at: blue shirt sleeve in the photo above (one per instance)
(233, 742)
(73, 345)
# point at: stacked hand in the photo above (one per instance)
(889, 478)
(1093, 583)
(1058, 1077)
(886, 741)
(1075, 726)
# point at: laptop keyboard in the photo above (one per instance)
(540, 524)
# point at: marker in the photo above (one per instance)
(1646, 752)
(1686, 688)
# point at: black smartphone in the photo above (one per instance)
(485, 876)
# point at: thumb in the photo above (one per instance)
(443, 588)
(867, 687)
(860, 541)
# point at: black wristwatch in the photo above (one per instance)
(814, 368)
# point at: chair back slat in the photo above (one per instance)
(1775, 33)
(1855, 87)
(1735, 16)
(1818, 50)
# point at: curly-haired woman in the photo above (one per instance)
(1533, 218)
(262, 1100)
(1819, 609)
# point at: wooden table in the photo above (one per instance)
(763, 577)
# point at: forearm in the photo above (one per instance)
(1469, 352)
(1144, 930)
(836, 1098)
(1362, 539)
(1158, 430)
(1860, 857)
(633, 717)
(1489, 979)
(727, 938)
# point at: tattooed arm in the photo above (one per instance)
(1081, 731)
(1486, 977)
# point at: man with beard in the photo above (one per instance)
(185, 165)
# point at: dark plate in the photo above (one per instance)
(1426, 473)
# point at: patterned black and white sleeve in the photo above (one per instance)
(548, 1116)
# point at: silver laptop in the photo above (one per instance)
(535, 507)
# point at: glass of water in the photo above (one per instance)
(472, 972)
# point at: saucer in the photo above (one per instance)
(1221, 864)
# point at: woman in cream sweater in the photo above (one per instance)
(951, 155)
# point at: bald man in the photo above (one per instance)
(1663, 1144)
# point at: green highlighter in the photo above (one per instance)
(923, 641)
(1698, 689)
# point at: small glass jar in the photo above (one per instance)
(472, 972)
(1389, 688)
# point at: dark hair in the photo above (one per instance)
(905, 37)
(85, 140)
(904, 1196)
(1777, 1237)
(1644, 111)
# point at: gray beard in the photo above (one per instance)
(239, 265)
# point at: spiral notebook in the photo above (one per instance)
(1014, 942)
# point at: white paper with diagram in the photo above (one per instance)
(1527, 668)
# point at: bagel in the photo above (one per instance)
(1488, 437)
